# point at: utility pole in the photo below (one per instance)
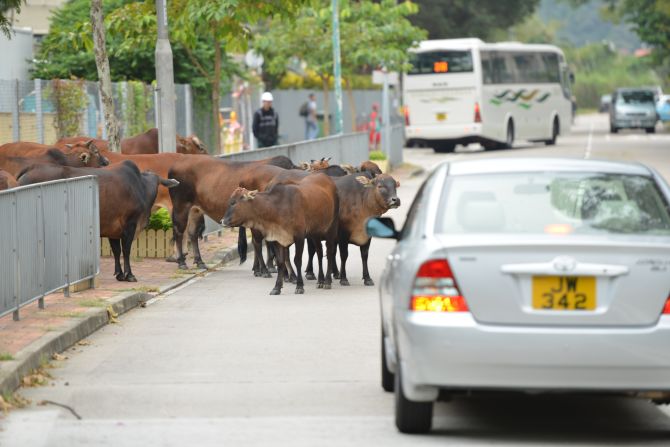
(167, 126)
(337, 69)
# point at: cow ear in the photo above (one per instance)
(250, 195)
(312, 161)
(328, 159)
(304, 166)
(363, 180)
(84, 157)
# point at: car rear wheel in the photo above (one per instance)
(554, 133)
(443, 147)
(410, 416)
(388, 379)
(650, 129)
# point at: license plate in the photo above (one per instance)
(441, 116)
(564, 292)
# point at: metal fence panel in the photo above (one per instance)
(397, 144)
(44, 225)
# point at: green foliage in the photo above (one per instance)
(377, 155)
(70, 101)
(6, 356)
(160, 220)
(446, 19)
(136, 103)
(311, 81)
(5, 6)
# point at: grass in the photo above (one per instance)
(6, 356)
(95, 302)
(145, 289)
(70, 314)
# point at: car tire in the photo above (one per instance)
(650, 130)
(613, 129)
(388, 378)
(410, 416)
(555, 130)
(443, 147)
(509, 139)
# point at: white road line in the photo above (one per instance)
(589, 143)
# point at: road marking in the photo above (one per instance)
(589, 143)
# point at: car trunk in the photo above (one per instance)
(578, 283)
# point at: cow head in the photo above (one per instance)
(190, 145)
(88, 154)
(384, 192)
(319, 165)
(239, 207)
(371, 167)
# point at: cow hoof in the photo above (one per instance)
(310, 275)
(272, 269)
(319, 285)
(170, 259)
(327, 286)
(299, 290)
(336, 275)
(119, 277)
(202, 265)
(258, 274)
(369, 282)
(183, 266)
(275, 291)
(344, 282)
(267, 275)
(131, 278)
(293, 279)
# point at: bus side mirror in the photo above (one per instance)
(572, 77)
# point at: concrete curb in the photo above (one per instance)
(42, 349)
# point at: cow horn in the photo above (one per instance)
(69, 146)
(250, 195)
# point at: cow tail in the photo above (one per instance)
(242, 245)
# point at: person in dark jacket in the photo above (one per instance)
(266, 123)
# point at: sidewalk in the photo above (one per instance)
(31, 341)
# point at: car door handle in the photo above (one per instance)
(581, 269)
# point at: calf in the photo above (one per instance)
(324, 166)
(126, 198)
(7, 180)
(144, 143)
(289, 214)
(16, 157)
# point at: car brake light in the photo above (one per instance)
(666, 308)
(406, 113)
(435, 289)
(478, 116)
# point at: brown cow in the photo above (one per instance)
(126, 198)
(7, 180)
(208, 182)
(288, 214)
(324, 166)
(145, 143)
(16, 157)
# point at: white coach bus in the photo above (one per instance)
(461, 91)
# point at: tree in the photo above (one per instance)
(446, 19)
(221, 25)
(102, 62)
(6, 6)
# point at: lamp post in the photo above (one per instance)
(167, 124)
(337, 69)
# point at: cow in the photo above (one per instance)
(16, 157)
(7, 180)
(290, 213)
(145, 143)
(126, 199)
(208, 182)
(324, 166)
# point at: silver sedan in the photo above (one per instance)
(531, 275)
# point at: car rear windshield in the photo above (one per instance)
(432, 62)
(554, 203)
(635, 97)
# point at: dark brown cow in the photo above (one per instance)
(16, 157)
(289, 214)
(208, 182)
(7, 180)
(126, 198)
(145, 143)
(324, 166)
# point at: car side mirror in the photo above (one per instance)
(381, 227)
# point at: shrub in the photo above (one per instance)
(160, 220)
(377, 155)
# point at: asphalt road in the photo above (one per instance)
(220, 362)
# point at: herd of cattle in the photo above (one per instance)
(280, 202)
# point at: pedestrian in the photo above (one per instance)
(266, 123)
(311, 127)
(374, 128)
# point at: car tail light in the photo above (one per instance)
(666, 308)
(406, 113)
(478, 115)
(435, 289)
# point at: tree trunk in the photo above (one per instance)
(104, 76)
(352, 103)
(326, 106)
(216, 94)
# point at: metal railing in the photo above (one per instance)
(50, 240)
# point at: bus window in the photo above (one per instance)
(432, 62)
(552, 69)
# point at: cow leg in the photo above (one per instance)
(116, 250)
(272, 248)
(344, 254)
(197, 258)
(365, 249)
(309, 271)
(179, 223)
(290, 275)
(299, 246)
(127, 244)
(336, 272)
(260, 269)
(319, 261)
(281, 267)
(331, 248)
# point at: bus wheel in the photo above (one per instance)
(509, 140)
(443, 147)
(554, 133)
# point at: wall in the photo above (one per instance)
(16, 54)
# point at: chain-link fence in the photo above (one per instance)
(46, 111)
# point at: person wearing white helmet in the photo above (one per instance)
(266, 122)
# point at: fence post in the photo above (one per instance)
(42, 252)
(66, 290)
(16, 129)
(15, 249)
(39, 116)
(188, 104)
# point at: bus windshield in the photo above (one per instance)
(431, 62)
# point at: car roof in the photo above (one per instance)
(539, 164)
